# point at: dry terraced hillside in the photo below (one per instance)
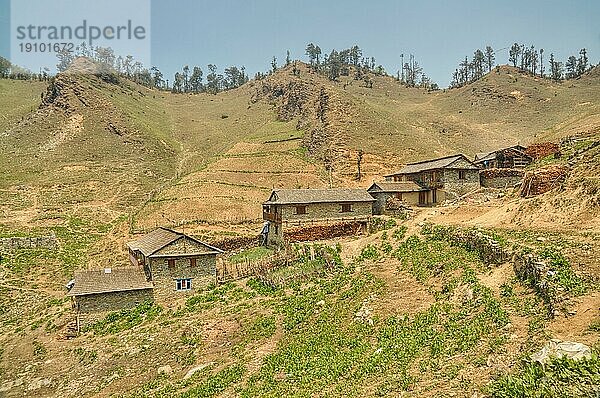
(93, 163)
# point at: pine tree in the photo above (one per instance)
(478, 61)
(513, 54)
(582, 62)
(489, 58)
(196, 80)
(556, 72)
(572, 67)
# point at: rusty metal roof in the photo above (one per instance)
(109, 280)
(306, 196)
(161, 237)
(396, 186)
(439, 163)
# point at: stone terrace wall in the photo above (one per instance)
(38, 242)
(527, 266)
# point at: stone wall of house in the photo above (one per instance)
(275, 235)
(454, 186)
(182, 245)
(501, 182)
(381, 198)
(35, 242)
(325, 211)
(164, 277)
(93, 307)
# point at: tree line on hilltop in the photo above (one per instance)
(526, 58)
(351, 62)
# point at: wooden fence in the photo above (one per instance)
(230, 271)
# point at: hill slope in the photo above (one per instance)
(94, 162)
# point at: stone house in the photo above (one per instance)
(176, 263)
(98, 292)
(306, 207)
(165, 265)
(393, 196)
(510, 157)
(443, 178)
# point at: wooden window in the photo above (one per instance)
(462, 175)
(171, 263)
(300, 209)
(183, 284)
(192, 262)
(399, 195)
(346, 208)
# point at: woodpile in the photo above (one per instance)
(543, 180)
(543, 149)
(493, 173)
(321, 232)
(236, 243)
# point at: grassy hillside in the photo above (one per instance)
(95, 162)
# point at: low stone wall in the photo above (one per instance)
(34, 242)
(92, 308)
(501, 178)
(527, 266)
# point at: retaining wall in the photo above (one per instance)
(527, 266)
(37, 242)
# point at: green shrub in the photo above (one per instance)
(559, 378)
(216, 384)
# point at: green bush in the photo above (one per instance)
(559, 378)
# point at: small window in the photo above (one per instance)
(346, 208)
(171, 263)
(399, 195)
(462, 175)
(183, 284)
(300, 209)
(192, 262)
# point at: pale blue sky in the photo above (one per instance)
(439, 33)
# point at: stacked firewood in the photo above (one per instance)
(493, 173)
(543, 180)
(543, 149)
(235, 243)
(321, 232)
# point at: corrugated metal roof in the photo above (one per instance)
(396, 186)
(119, 279)
(439, 163)
(161, 237)
(305, 196)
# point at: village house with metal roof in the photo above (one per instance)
(443, 178)
(287, 208)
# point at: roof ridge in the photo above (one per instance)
(436, 159)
